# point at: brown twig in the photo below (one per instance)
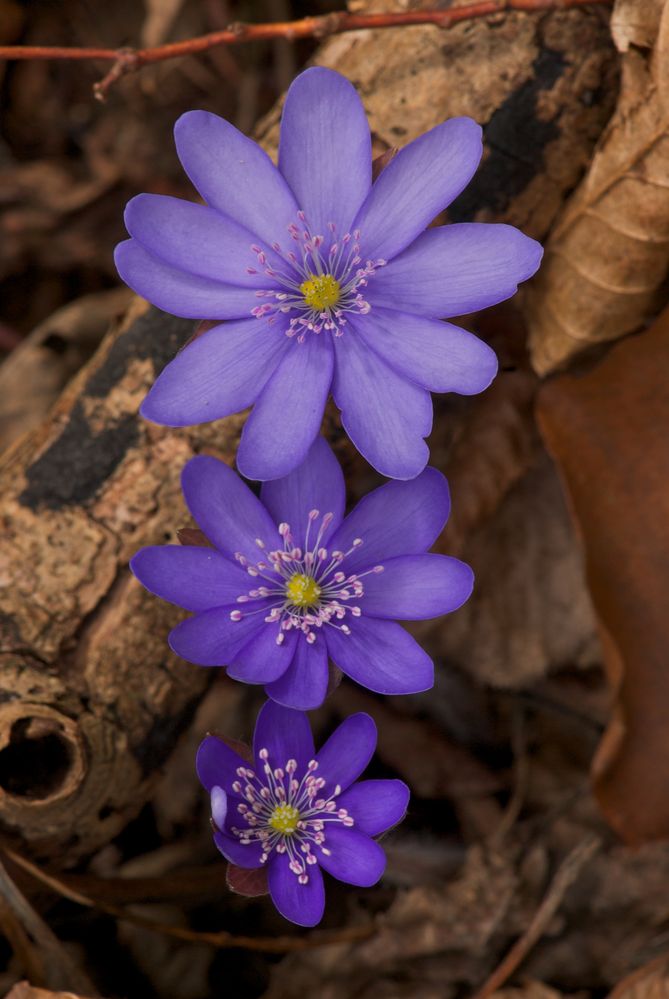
(58, 967)
(129, 60)
(566, 874)
(221, 939)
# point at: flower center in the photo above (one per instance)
(303, 591)
(284, 819)
(304, 586)
(284, 812)
(316, 281)
(321, 291)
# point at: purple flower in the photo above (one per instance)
(291, 582)
(327, 282)
(296, 810)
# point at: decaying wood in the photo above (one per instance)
(607, 260)
(37, 371)
(91, 699)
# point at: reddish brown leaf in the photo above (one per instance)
(608, 430)
(244, 882)
(381, 162)
(193, 536)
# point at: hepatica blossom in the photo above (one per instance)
(327, 282)
(296, 811)
(291, 582)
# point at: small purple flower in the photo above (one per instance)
(291, 582)
(296, 810)
(327, 282)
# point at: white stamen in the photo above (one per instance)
(286, 815)
(319, 257)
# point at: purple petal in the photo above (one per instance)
(301, 904)
(285, 734)
(316, 484)
(385, 415)
(217, 764)
(234, 175)
(398, 518)
(382, 656)
(261, 660)
(414, 587)
(243, 855)
(227, 511)
(195, 239)
(221, 372)
(435, 354)
(304, 684)
(325, 152)
(212, 638)
(375, 805)
(177, 291)
(456, 269)
(347, 752)
(287, 416)
(418, 183)
(354, 858)
(193, 578)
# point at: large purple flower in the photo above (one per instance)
(291, 582)
(296, 810)
(327, 282)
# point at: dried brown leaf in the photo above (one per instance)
(566, 874)
(530, 611)
(459, 919)
(24, 990)
(649, 982)
(607, 259)
(634, 22)
(608, 431)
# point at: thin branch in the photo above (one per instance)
(221, 939)
(129, 60)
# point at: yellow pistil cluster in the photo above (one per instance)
(284, 819)
(302, 590)
(321, 292)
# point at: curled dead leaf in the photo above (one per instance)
(608, 257)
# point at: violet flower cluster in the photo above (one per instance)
(319, 282)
